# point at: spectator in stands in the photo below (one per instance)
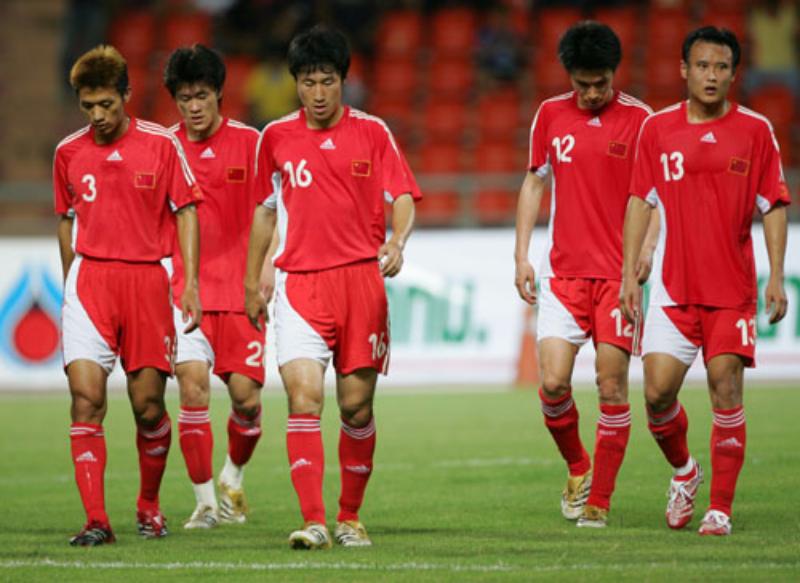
(774, 27)
(270, 91)
(500, 48)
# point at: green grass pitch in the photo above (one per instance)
(466, 487)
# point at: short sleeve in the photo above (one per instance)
(183, 188)
(61, 192)
(267, 181)
(772, 187)
(396, 176)
(537, 155)
(643, 184)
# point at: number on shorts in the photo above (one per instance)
(746, 327)
(378, 345)
(623, 328)
(256, 359)
(89, 181)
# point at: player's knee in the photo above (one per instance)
(148, 411)
(658, 398)
(194, 393)
(88, 408)
(305, 403)
(554, 387)
(355, 412)
(612, 389)
(247, 406)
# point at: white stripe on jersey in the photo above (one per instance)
(631, 101)
(157, 130)
(358, 114)
(286, 118)
(73, 136)
(242, 126)
(560, 97)
(763, 118)
(672, 107)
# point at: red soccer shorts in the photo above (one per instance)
(682, 330)
(117, 308)
(340, 312)
(577, 309)
(225, 340)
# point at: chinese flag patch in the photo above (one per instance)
(362, 167)
(236, 174)
(618, 149)
(739, 166)
(144, 180)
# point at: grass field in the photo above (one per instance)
(466, 487)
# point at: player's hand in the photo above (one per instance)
(525, 282)
(775, 300)
(390, 259)
(190, 307)
(255, 306)
(630, 298)
(644, 265)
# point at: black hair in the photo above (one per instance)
(590, 46)
(717, 36)
(320, 48)
(195, 64)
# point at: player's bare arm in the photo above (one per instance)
(644, 264)
(64, 232)
(390, 254)
(775, 234)
(261, 234)
(189, 241)
(637, 218)
(530, 197)
(267, 281)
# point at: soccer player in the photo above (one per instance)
(324, 172)
(705, 164)
(117, 183)
(585, 138)
(221, 153)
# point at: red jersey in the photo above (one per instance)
(706, 179)
(329, 186)
(123, 193)
(224, 165)
(591, 157)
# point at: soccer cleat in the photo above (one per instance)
(232, 504)
(715, 523)
(575, 494)
(593, 517)
(151, 523)
(312, 536)
(203, 517)
(93, 535)
(351, 533)
(681, 494)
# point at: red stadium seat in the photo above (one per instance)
(549, 76)
(183, 30)
(394, 75)
(165, 111)
(499, 114)
(399, 34)
(139, 79)
(784, 136)
(552, 24)
(396, 110)
(237, 72)
(776, 102)
(665, 32)
(451, 77)
(736, 22)
(663, 77)
(438, 208)
(624, 22)
(495, 206)
(659, 102)
(454, 32)
(712, 6)
(498, 156)
(445, 120)
(133, 33)
(440, 158)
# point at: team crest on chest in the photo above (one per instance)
(739, 166)
(361, 168)
(618, 149)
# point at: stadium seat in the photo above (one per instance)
(624, 22)
(663, 77)
(735, 21)
(238, 70)
(440, 158)
(438, 208)
(776, 102)
(495, 206)
(552, 23)
(139, 79)
(493, 156)
(452, 77)
(183, 30)
(453, 32)
(713, 6)
(395, 110)
(549, 76)
(164, 111)
(399, 34)
(394, 75)
(499, 114)
(445, 120)
(133, 33)
(665, 32)
(784, 136)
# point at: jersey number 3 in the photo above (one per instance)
(91, 183)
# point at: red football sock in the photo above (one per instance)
(89, 457)
(728, 441)
(356, 450)
(613, 431)
(153, 445)
(669, 428)
(243, 434)
(307, 464)
(561, 418)
(197, 442)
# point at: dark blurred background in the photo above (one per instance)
(457, 82)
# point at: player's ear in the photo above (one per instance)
(684, 69)
(126, 97)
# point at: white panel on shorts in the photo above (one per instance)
(554, 320)
(661, 335)
(81, 339)
(294, 337)
(191, 346)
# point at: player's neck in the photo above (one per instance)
(103, 139)
(698, 112)
(195, 136)
(325, 124)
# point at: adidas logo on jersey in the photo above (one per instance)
(594, 122)
(114, 156)
(327, 145)
(709, 138)
(208, 153)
